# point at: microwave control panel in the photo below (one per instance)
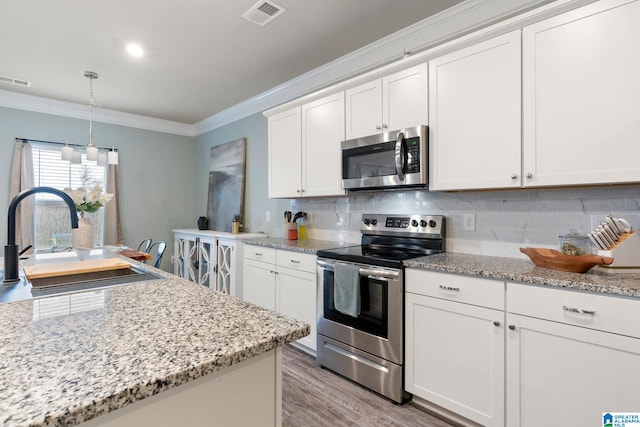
(413, 155)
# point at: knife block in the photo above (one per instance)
(625, 254)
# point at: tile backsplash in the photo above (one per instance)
(504, 220)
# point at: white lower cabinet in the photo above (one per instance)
(571, 356)
(283, 281)
(455, 344)
(210, 258)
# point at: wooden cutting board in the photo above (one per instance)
(73, 267)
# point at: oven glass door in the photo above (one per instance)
(374, 306)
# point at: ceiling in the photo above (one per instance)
(201, 56)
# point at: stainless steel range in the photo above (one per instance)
(361, 312)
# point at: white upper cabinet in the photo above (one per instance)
(285, 153)
(393, 102)
(322, 132)
(582, 96)
(304, 149)
(474, 117)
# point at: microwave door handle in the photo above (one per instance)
(400, 156)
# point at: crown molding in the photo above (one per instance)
(456, 21)
(447, 28)
(39, 104)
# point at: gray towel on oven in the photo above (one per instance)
(346, 289)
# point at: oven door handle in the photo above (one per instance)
(383, 275)
(373, 273)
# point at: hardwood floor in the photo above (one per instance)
(316, 397)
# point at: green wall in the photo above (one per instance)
(256, 200)
(156, 170)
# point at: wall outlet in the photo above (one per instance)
(268, 216)
(469, 222)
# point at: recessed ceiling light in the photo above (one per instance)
(135, 50)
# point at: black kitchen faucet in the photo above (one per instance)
(11, 260)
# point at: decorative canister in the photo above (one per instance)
(203, 223)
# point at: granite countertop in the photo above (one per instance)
(68, 358)
(309, 246)
(524, 271)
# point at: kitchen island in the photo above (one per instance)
(164, 352)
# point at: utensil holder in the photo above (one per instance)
(291, 230)
(625, 254)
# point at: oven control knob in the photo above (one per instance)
(414, 223)
(423, 223)
(432, 223)
(374, 222)
(366, 221)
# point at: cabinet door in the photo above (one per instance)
(285, 156)
(363, 109)
(404, 98)
(568, 374)
(259, 284)
(474, 117)
(455, 357)
(179, 256)
(322, 132)
(581, 103)
(296, 297)
(225, 280)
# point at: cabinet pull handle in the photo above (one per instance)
(258, 254)
(295, 261)
(512, 327)
(449, 288)
(529, 175)
(578, 310)
(514, 176)
(496, 323)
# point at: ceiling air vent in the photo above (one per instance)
(263, 12)
(12, 81)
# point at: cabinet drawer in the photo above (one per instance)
(296, 260)
(605, 313)
(260, 253)
(468, 290)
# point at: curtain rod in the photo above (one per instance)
(27, 140)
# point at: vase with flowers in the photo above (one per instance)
(88, 199)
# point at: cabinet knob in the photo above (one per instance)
(378, 127)
(496, 323)
(512, 327)
(384, 126)
(514, 176)
(529, 175)
(298, 191)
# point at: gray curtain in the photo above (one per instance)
(112, 227)
(22, 179)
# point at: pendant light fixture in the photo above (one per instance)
(67, 152)
(92, 150)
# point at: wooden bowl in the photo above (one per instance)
(550, 258)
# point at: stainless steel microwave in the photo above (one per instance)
(386, 160)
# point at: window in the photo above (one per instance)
(51, 213)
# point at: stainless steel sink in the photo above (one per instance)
(93, 280)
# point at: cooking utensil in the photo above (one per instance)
(624, 224)
(609, 231)
(287, 216)
(605, 237)
(601, 243)
(298, 215)
(595, 242)
(611, 221)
